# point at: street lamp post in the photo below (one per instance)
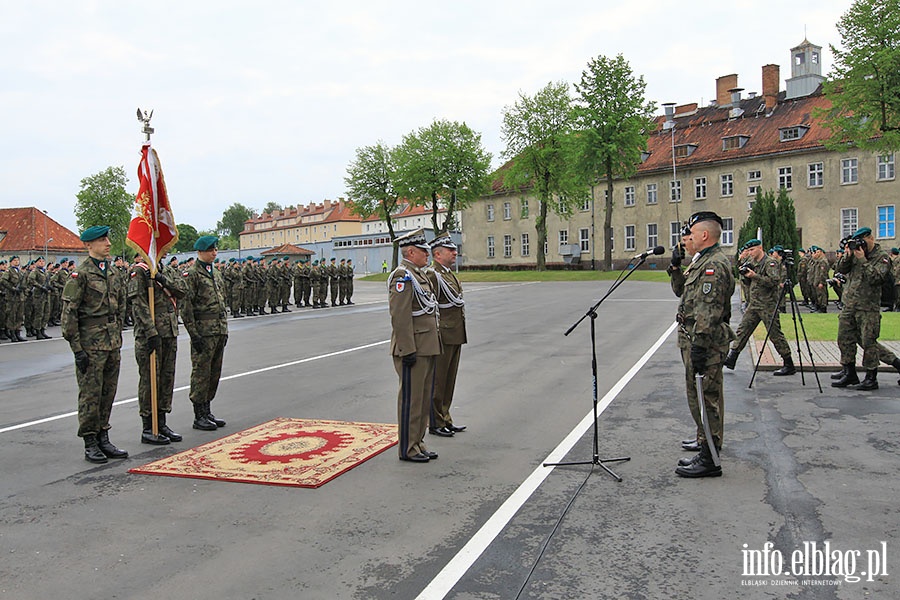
(669, 108)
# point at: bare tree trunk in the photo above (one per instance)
(540, 226)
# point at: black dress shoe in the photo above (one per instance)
(441, 431)
(416, 458)
(455, 428)
(430, 455)
(691, 446)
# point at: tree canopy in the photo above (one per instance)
(187, 235)
(370, 185)
(272, 207)
(537, 130)
(443, 165)
(232, 223)
(103, 200)
(864, 83)
(613, 120)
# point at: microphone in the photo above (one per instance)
(643, 255)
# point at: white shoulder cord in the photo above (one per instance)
(455, 300)
(426, 300)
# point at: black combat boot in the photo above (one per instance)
(92, 451)
(688, 460)
(42, 335)
(201, 420)
(18, 335)
(850, 378)
(212, 417)
(107, 447)
(703, 466)
(841, 373)
(285, 309)
(147, 436)
(731, 359)
(870, 382)
(165, 429)
(787, 369)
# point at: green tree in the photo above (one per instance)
(232, 223)
(776, 217)
(370, 185)
(612, 120)
(103, 200)
(272, 207)
(187, 235)
(537, 131)
(443, 165)
(864, 86)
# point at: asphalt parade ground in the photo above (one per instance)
(806, 508)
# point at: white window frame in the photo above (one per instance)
(815, 175)
(674, 233)
(629, 238)
(786, 178)
(629, 195)
(652, 235)
(507, 245)
(523, 208)
(563, 236)
(885, 170)
(727, 231)
(490, 246)
(849, 171)
(507, 211)
(675, 190)
(726, 181)
(490, 212)
(652, 193)
(754, 175)
(849, 221)
(700, 188)
(584, 239)
(525, 245)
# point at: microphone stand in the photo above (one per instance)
(592, 313)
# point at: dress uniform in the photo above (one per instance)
(766, 278)
(93, 315)
(449, 294)
(158, 334)
(705, 288)
(415, 342)
(203, 313)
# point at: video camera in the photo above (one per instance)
(787, 257)
(745, 268)
(838, 280)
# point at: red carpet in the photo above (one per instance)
(293, 452)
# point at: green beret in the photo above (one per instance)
(206, 242)
(249, 257)
(94, 233)
(752, 243)
(861, 233)
(895, 250)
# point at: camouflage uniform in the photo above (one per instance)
(816, 277)
(705, 289)
(803, 266)
(14, 283)
(163, 324)
(860, 319)
(349, 281)
(203, 313)
(332, 271)
(38, 283)
(93, 315)
(765, 292)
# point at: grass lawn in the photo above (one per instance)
(818, 326)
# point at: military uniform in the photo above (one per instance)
(349, 281)
(449, 294)
(705, 289)
(816, 277)
(203, 313)
(860, 318)
(93, 315)
(159, 334)
(332, 272)
(765, 293)
(415, 342)
(13, 283)
(39, 287)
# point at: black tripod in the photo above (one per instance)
(788, 290)
(592, 313)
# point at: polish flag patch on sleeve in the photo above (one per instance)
(74, 274)
(709, 271)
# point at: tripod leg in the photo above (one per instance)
(766, 340)
(812, 360)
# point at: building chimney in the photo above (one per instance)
(723, 84)
(771, 76)
(736, 110)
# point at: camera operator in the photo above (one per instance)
(766, 276)
(866, 266)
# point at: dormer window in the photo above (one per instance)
(684, 150)
(734, 142)
(787, 134)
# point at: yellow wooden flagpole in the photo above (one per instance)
(153, 374)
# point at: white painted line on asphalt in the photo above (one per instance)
(184, 387)
(444, 581)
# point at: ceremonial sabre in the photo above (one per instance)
(710, 442)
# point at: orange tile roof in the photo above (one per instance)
(24, 228)
(288, 249)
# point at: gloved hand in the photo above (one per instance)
(699, 356)
(677, 255)
(198, 344)
(82, 361)
(161, 279)
(409, 360)
(153, 343)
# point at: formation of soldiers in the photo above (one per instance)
(30, 294)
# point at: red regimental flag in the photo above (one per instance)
(152, 232)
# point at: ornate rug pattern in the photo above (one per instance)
(292, 452)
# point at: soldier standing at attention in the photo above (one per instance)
(449, 294)
(203, 313)
(803, 264)
(342, 282)
(866, 266)
(703, 315)
(40, 299)
(333, 282)
(816, 278)
(415, 342)
(93, 315)
(14, 283)
(766, 278)
(159, 335)
(350, 281)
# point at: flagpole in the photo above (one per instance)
(151, 299)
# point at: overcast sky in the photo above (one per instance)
(267, 101)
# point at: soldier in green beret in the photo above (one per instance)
(93, 315)
(13, 283)
(204, 316)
